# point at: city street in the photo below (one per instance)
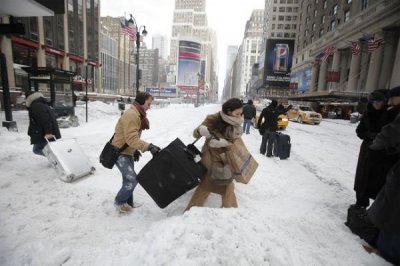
(291, 213)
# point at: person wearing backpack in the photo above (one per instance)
(249, 113)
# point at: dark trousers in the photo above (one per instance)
(362, 200)
(389, 246)
(38, 148)
(268, 143)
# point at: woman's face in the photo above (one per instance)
(237, 112)
(378, 105)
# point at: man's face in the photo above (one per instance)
(147, 103)
(394, 101)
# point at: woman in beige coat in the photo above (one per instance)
(221, 130)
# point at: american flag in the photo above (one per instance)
(327, 52)
(130, 31)
(355, 48)
(374, 44)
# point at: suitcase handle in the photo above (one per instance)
(49, 140)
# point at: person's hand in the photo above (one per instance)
(49, 136)
(220, 143)
(203, 130)
(153, 149)
(136, 156)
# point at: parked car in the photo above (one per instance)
(304, 114)
(283, 120)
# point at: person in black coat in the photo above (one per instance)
(42, 121)
(385, 210)
(372, 166)
(249, 112)
(268, 128)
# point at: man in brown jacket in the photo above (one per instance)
(128, 130)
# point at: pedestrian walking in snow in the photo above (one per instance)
(268, 128)
(249, 113)
(221, 130)
(43, 125)
(128, 130)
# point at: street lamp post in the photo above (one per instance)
(132, 22)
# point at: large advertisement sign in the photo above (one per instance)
(278, 62)
(188, 65)
(301, 79)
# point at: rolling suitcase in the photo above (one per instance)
(283, 146)
(172, 172)
(67, 157)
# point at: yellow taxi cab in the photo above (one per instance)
(283, 120)
(304, 114)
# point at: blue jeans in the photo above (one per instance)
(38, 148)
(129, 182)
(388, 245)
(246, 126)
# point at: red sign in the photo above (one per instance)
(189, 89)
(332, 76)
(25, 42)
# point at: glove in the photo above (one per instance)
(214, 143)
(49, 136)
(203, 130)
(154, 149)
(136, 156)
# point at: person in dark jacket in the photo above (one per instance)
(42, 121)
(268, 128)
(385, 210)
(249, 113)
(369, 126)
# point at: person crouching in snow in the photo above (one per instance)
(220, 130)
(42, 121)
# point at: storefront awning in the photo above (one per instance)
(330, 96)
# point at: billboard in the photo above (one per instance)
(151, 90)
(188, 65)
(278, 62)
(302, 79)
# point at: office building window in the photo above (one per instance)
(364, 4)
(346, 15)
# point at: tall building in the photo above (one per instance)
(109, 62)
(67, 41)
(126, 68)
(190, 23)
(280, 19)
(160, 42)
(231, 54)
(251, 49)
(346, 49)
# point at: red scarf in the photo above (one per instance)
(144, 122)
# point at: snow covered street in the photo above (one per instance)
(291, 213)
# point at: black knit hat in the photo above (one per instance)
(378, 96)
(394, 92)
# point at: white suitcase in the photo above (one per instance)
(69, 160)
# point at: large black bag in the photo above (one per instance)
(109, 155)
(359, 224)
(283, 145)
(172, 172)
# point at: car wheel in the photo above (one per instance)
(300, 120)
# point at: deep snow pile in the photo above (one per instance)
(291, 213)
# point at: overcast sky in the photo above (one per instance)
(227, 17)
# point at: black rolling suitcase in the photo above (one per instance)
(283, 146)
(172, 172)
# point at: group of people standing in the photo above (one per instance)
(378, 170)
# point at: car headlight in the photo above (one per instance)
(285, 119)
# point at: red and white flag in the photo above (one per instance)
(327, 52)
(355, 48)
(130, 31)
(374, 44)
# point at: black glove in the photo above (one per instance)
(154, 149)
(136, 156)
